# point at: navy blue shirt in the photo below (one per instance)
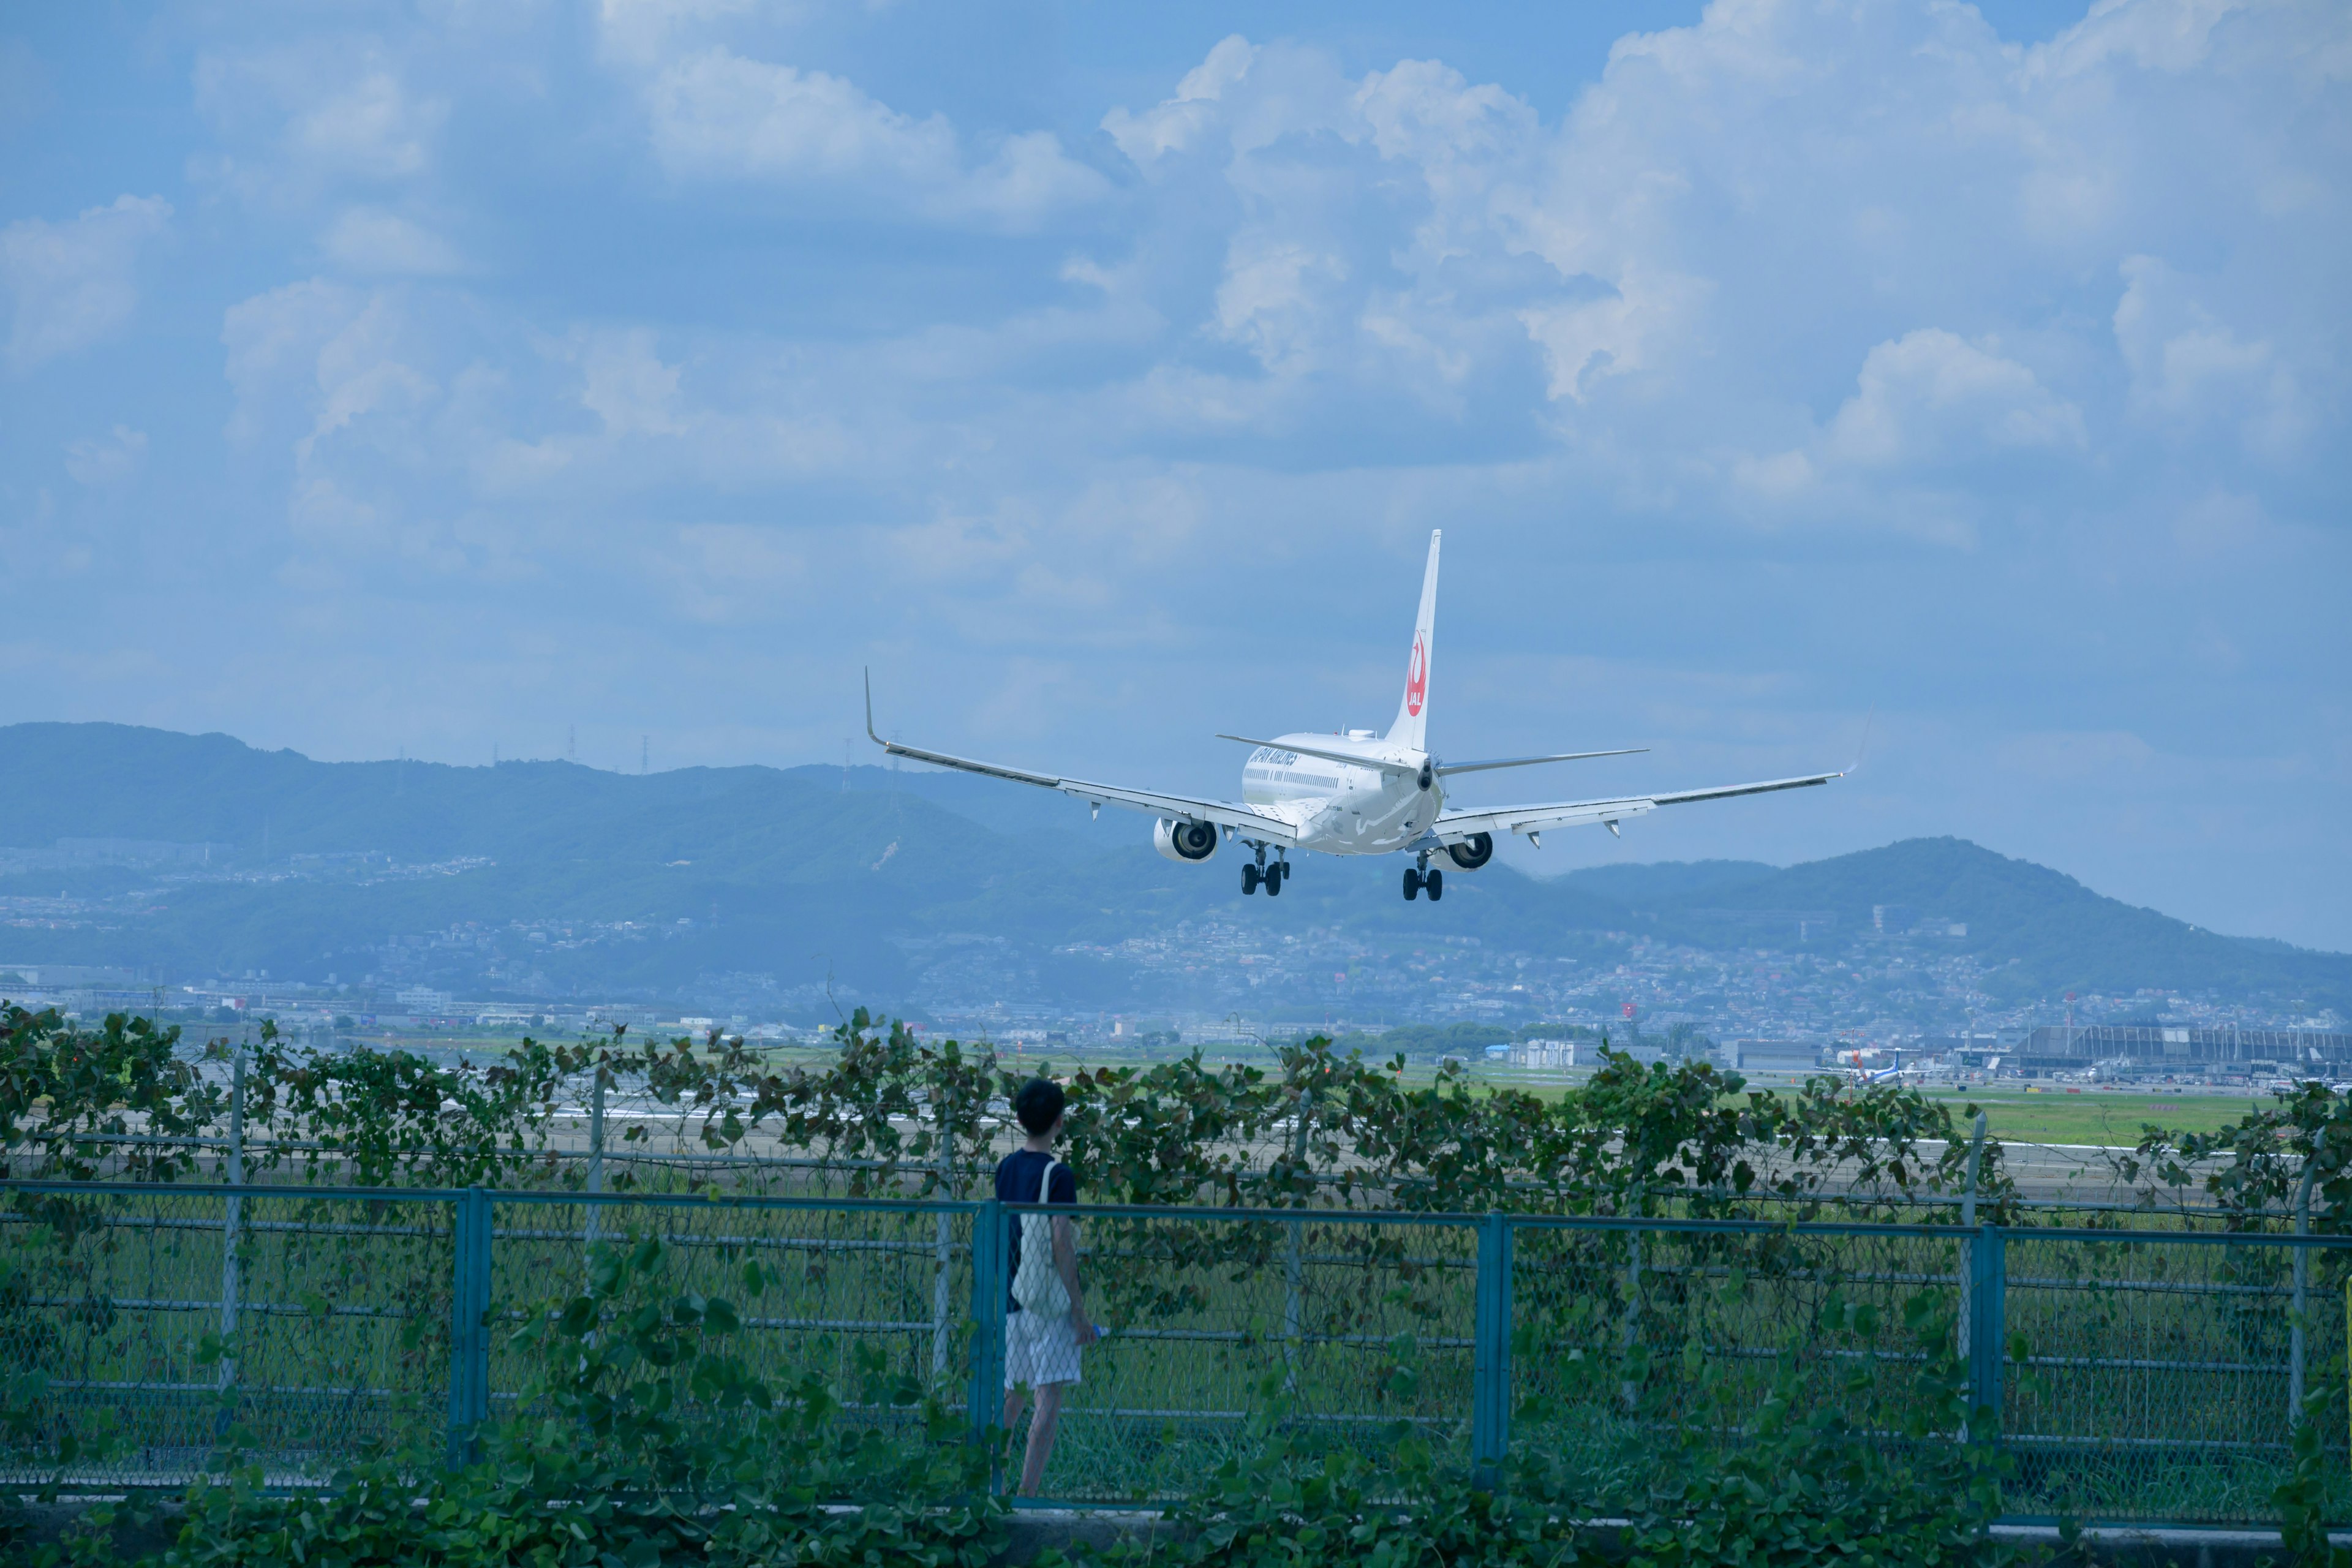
(1017, 1176)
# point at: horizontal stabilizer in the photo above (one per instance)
(1446, 770)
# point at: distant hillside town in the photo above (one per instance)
(218, 884)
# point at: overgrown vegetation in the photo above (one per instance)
(892, 1114)
(649, 1433)
(644, 1439)
(2293, 1156)
(644, 1444)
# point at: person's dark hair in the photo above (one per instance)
(1038, 1105)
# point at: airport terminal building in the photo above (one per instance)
(2163, 1049)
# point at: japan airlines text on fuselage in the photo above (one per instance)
(1341, 808)
(1356, 793)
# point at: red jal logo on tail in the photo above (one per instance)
(1416, 681)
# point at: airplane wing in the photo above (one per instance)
(1246, 821)
(1453, 826)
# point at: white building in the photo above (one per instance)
(1551, 1055)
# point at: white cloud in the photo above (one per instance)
(641, 31)
(2171, 35)
(720, 574)
(1272, 297)
(273, 342)
(371, 240)
(2187, 367)
(1630, 331)
(370, 128)
(73, 281)
(103, 462)
(718, 114)
(626, 385)
(1176, 122)
(1929, 397)
(365, 370)
(1029, 179)
(310, 116)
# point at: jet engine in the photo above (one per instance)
(1473, 852)
(1184, 840)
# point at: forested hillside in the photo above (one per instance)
(860, 875)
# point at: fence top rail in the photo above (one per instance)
(125, 1191)
(1851, 1228)
(716, 1199)
(1234, 1216)
(2170, 1238)
(2158, 1204)
(236, 1190)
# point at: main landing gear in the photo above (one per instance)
(1273, 876)
(1419, 875)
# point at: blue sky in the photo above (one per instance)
(465, 375)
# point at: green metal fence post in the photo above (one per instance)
(1988, 1307)
(1490, 1407)
(232, 1266)
(988, 1286)
(469, 1339)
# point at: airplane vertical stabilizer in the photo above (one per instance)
(1413, 712)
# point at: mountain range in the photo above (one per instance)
(197, 855)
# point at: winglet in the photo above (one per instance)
(869, 708)
(1863, 750)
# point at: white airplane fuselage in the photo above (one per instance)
(1341, 809)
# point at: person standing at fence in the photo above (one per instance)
(1045, 1321)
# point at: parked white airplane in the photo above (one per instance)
(1353, 792)
(1863, 1076)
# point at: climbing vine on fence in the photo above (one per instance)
(892, 1114)
(2295, 1155)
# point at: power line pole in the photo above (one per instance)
(645, 753)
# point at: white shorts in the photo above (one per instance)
(1039, 1351)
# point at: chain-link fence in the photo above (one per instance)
(144, 1329)
(147, 1330)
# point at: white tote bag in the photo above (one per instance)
(1036, 1283)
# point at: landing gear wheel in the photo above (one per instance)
(1249, 879)
(1412, 884)
(1274, 878)
(1435, 882)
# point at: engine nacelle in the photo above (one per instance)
(1471, 852)
(1184, 840)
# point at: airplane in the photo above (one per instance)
(1353, 792)
(1861, 1076)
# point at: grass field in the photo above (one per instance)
(2110, 1117)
